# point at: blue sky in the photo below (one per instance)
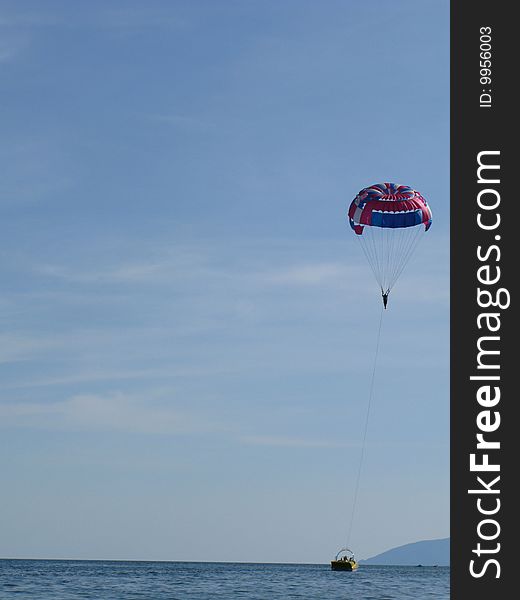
(187, 322)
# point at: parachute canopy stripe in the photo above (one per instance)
(389, 205)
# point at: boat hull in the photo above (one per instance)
(343, 565)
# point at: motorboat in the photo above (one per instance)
(344, 561)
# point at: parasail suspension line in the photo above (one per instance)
(363, 443)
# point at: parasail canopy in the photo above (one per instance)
(389, 219)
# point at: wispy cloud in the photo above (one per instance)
(307, 273)
(125, 18)
(207, 263)
(137, 18)
(167, 270)
(117, 411)
(15, 347)
(33, 169)
(111, 375)
(17, 18)
(124, 273)
(183, 122)
(292, 442)
(9, 48)
(282, 441)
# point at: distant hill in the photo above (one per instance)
(426, 553)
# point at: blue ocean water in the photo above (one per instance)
(111, 580)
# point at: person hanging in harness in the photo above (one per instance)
(385, 297)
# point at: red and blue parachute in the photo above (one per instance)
(388, 220)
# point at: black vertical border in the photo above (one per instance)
(475, 129)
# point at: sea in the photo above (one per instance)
(120, 580)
